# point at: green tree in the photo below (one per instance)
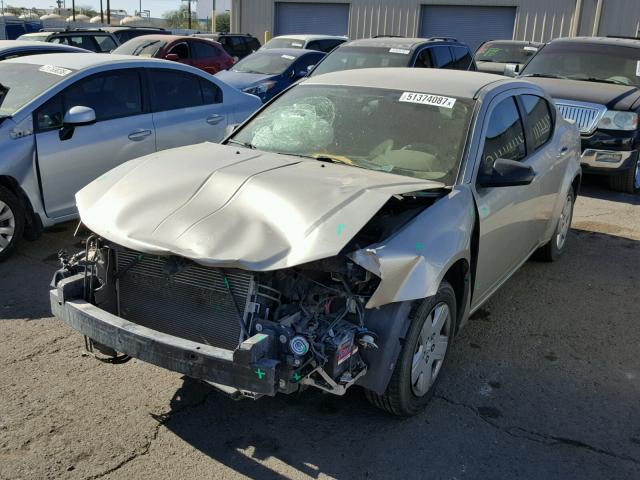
(180, 18)
(223, 22)
(13, 10)
(86, 10)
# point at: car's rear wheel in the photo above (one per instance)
(627, 181)
(554, 248)
(423, 356)
(11, 222)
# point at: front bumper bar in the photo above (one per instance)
(193, 359)
(607, 161)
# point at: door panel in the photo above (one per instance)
(507, 214)
(187, 109)
(121, 132)
(67, 166)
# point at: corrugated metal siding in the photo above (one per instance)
(537, 20)
(472, 25)
(320, 18)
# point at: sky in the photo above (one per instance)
(157, 7)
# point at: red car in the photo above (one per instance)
(201, 53)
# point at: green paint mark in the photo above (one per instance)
(340, 228)
(140, 257)
(419, 245)
(260, 373)
(296, 377)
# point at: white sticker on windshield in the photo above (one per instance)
(400, 50)
(294, 44)
(428, 99)
(638, 68)
(288, 57)
(531, 49)
(61, 72)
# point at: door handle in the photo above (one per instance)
(214, 119)
(139, 134)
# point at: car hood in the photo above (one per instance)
(243, 80)
(224, 206)
(614, 97)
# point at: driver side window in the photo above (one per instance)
(505, 135)
(182, 50)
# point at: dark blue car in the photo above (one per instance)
(266, 73)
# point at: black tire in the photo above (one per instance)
(626, 181)
(551, 251)
(399, 399)
(10, 203)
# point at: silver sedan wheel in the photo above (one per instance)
(7, 225)
(433, 343)
(564, 223)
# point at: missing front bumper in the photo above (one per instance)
(197, 360)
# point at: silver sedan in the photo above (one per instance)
(65, 119)
(342, 236)
(21, 48)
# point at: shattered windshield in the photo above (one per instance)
(419, 135)
(15, 92)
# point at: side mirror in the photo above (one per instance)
(511, 69)
(172, 56)
(78, 116)
(507, 173)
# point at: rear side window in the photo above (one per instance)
(106, 43)
(211, 93)
(181, 49)
(505, 135)
(441, 57)
(171, 90)
(113, 94)
(461, 58)
(204, 50)
(539, 121)
(253, 44)
(80, 41)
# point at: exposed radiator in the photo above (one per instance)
(181, 298)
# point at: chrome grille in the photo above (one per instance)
(586, 115)
(181, 298)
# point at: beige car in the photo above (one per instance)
(341, 236)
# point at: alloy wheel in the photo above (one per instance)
(7, 225)
(431, 349)
(565, 223)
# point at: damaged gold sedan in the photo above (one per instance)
(341, 236)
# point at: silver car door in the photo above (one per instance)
(506, 214)
(549, 158)
(122, 132)
(187, 109)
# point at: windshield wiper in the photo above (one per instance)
(545, 75)
(141, 47)
(242, 144)
(599, 80)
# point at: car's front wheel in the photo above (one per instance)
(552, 250)
(11, 222)
(423, 355)
(627, 181)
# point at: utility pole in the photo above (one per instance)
(101, 13)
(108, 12)
(213, 17)
(73, 10)
(188, 11)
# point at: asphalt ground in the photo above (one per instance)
(543, 383)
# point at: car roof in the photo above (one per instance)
(313, 37)
(516, 42)
(165, 38)
(13, 44)
(119, 28)
(623, 42)
(456, 83)
(36, 34)
(395, 42)
(80, 62)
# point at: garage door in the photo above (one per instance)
(472, 25)
(322, 18)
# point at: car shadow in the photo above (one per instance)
(597, 187)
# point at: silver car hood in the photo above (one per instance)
(225, 206)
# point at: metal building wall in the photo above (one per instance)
(538, 20)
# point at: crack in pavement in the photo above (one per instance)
(162, 420)
(541, 438)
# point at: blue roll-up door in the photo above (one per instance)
(319, 18)
(472, 25)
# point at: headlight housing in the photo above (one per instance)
(260, 89)
(615, 120)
